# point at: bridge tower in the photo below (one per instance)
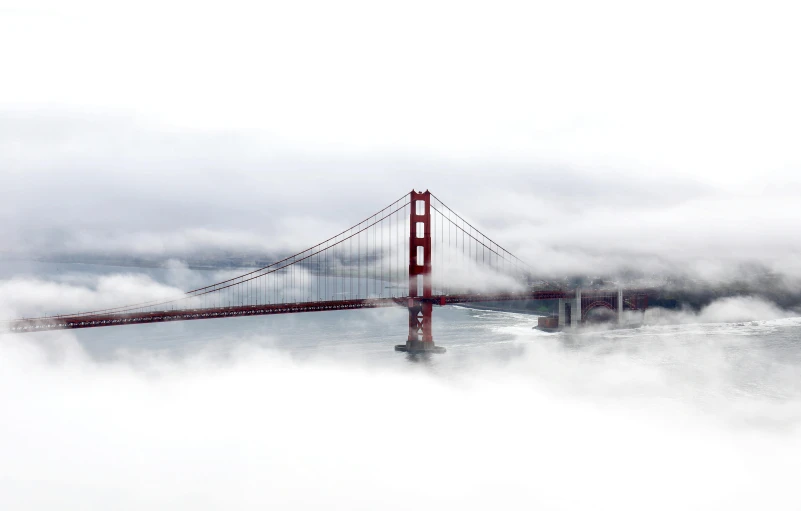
(420, 295)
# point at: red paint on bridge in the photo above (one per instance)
(138, 318)
(373, 264)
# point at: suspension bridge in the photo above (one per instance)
(415, 253)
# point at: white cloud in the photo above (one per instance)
(25, 297)
(617, 420)
(724, 310)
(585, 138)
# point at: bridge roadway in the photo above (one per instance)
(66, 322)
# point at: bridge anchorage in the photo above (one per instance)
(415, 253)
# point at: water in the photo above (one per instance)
(317, 410)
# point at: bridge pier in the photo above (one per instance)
(420, 338)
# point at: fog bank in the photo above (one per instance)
(586, 139)
(660, 423)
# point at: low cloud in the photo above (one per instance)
(22, 297)
(615, 417)
(592, 167)
(725, 310)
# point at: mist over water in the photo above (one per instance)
(316, 410)
(649, 145)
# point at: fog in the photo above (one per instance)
(666, 420)
(587, 140)
(691, 410)
(70, 290)
(724, 310)
(647, 143)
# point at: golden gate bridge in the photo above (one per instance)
(415, 253)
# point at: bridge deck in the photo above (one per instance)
(135, 318)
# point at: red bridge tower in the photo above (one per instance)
(420, 296)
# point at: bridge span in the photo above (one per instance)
(386, 260)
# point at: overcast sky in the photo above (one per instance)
(584, 136)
